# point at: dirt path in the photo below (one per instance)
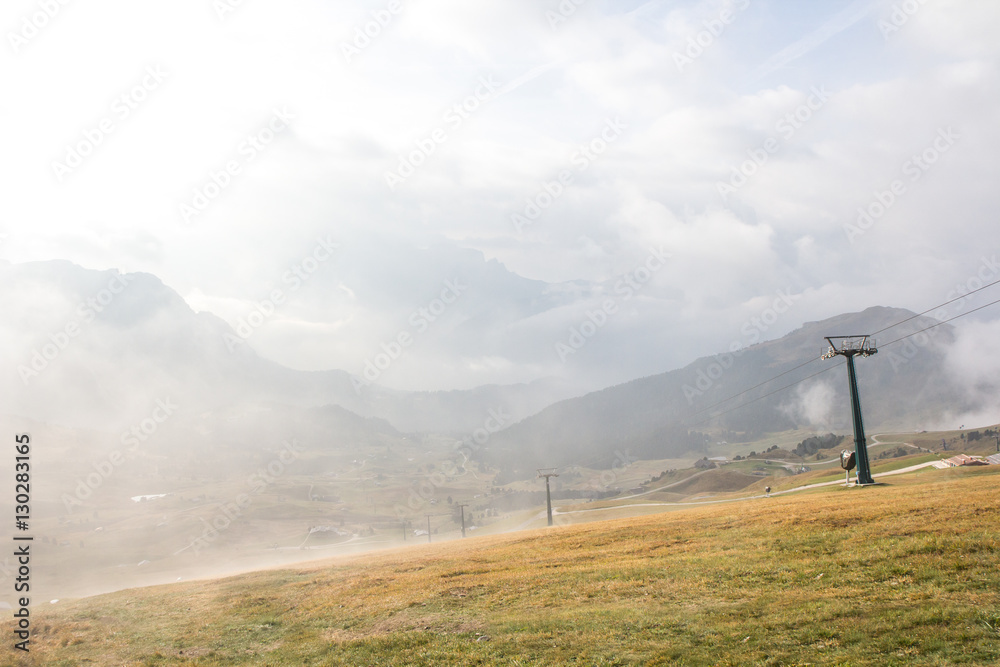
(735, 500)
(662, 488)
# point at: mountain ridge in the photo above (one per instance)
(659, 416)
(146, 343)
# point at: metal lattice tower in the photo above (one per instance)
(547, 473)
(850, 347)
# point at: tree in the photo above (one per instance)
(817, 442)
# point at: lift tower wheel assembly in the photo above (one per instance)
(850, 347)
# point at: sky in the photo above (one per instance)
(582, 189)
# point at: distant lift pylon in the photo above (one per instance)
(547, 473)
(850, 347)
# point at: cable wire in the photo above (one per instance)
(940, 323)
(828, 368)
(745, 391)
(743, 405)
(726, 400)
(958, 298)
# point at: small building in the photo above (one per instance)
(965, 460)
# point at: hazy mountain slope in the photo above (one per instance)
(902, 386)
(112, 346)
(98, 348)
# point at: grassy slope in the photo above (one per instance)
(156, 533)
(906, 573)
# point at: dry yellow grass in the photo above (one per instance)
(903, 573)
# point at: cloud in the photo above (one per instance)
(843, 20)
(974, 361)
(655, 184)
(813, 406)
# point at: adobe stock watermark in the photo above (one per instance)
(420, 321)
(486, 90)
(259, 482)
(987, 272)
(138, 433)
(913, 169)
(752, 331)
(365, 34)
(248, 150)
(563, 12)
(910, 348)
(77, 152)
(87, 310)
(33, 24)
(422, 492)
(626, 287)
(223, 8)
(698, 43)
(900, 15)
(786, 127)
(550, 191)
(608, 477)
(295, 277)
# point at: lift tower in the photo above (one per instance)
(462, 509)
(546, 473)
(850, 347)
